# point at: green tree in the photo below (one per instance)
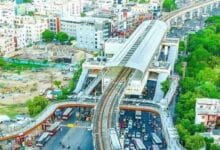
(208, 142)
(36, 105)
(142, 1)
(218, 28)
(48, 35)
(183, 132)
(2, 62)
(182, 46)
(57, 83)
(165, 85)
(62, 37)
(169, 5)
(207, 75)
(30, 13)
(215, 147)
(28, 1)
(201, 80)
(208, 89)
(72, 38)
(188, 84)
(186, 100)
(213, 20)
(82, 14)
(194, 142)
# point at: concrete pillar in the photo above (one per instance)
(205, 10)
(190, 14)
(208, 8)
(179, 20)
(194, 14)
(184, 17)
(199, 12)
(187, 15)
(166, 50)
(216, 5)
(211, 7)
(202, 10)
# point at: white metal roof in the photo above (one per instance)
(142, 54)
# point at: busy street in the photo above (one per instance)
(145, 126)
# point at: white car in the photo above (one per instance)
(145, 137)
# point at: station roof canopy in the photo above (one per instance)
(139, 49)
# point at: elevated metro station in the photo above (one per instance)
(147, 51)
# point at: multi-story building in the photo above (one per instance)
(59, 7)
(89, 32)
(68, 25)
(54, 24)
(20, 37)
(208, 112)
(7, 44)
(33, 27)
(7, 13)
(92, 32)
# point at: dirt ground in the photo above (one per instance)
(18, 88)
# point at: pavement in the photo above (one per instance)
(149, 123)
(74, 138)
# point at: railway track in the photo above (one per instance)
(175, 13)
(115, 102)
(106, 108)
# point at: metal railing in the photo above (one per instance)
(45, 114)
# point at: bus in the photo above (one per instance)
(53, 128)
(137, 114)
(155, 147)
(67, 113)
(139, 145)
(156, 139)
(114, 141)
(43, 139)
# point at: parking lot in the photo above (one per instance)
(150, 89)
(190, 26)
(141, 127)
(73, 137)
(65, 130)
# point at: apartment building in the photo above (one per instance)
(59, 7)
(68, 25)
(7, 44)
(20, 37)
(208, 112)
(89, 32)
(7, 13)
(33, 27)
(54, 24)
